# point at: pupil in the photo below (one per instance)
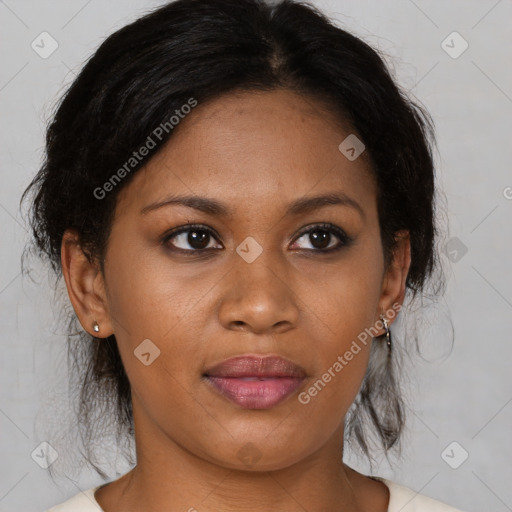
(198, 239)
(320, 241)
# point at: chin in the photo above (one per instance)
(258, 456)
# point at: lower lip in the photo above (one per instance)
(256, 394)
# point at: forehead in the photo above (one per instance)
(251, 148)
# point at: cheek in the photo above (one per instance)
(148, 297)
(168, 304)
(344, 303)
(345, 296)
(154, 312)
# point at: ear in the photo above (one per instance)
(85, 285)
(393, 283)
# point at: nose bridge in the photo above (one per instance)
(258, 295)
(263, 272)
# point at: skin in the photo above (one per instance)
(255, 152)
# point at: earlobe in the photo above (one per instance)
(395, 278)
(86, 287)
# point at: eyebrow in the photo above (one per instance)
(297, 207)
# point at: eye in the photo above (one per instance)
(194, 238)
(198, 238)
(320, 238)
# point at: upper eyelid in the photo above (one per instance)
(322, 225)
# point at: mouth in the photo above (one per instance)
(255, 382)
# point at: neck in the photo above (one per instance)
(169, 477)
(179, 481)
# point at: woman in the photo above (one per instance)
(240, 199)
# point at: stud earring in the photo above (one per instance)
(95, 327)
(387, 334)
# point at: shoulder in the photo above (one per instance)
(404, 499)
(82, 502)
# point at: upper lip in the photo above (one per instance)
(256, 366)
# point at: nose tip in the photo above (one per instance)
(257, 299)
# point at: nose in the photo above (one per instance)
(258, 297)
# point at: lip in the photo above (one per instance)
(255, 382)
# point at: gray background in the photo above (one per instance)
(463, 395)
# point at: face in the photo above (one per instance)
(264, 270)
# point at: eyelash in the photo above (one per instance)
(345, 240)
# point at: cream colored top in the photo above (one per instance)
(401, 499)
